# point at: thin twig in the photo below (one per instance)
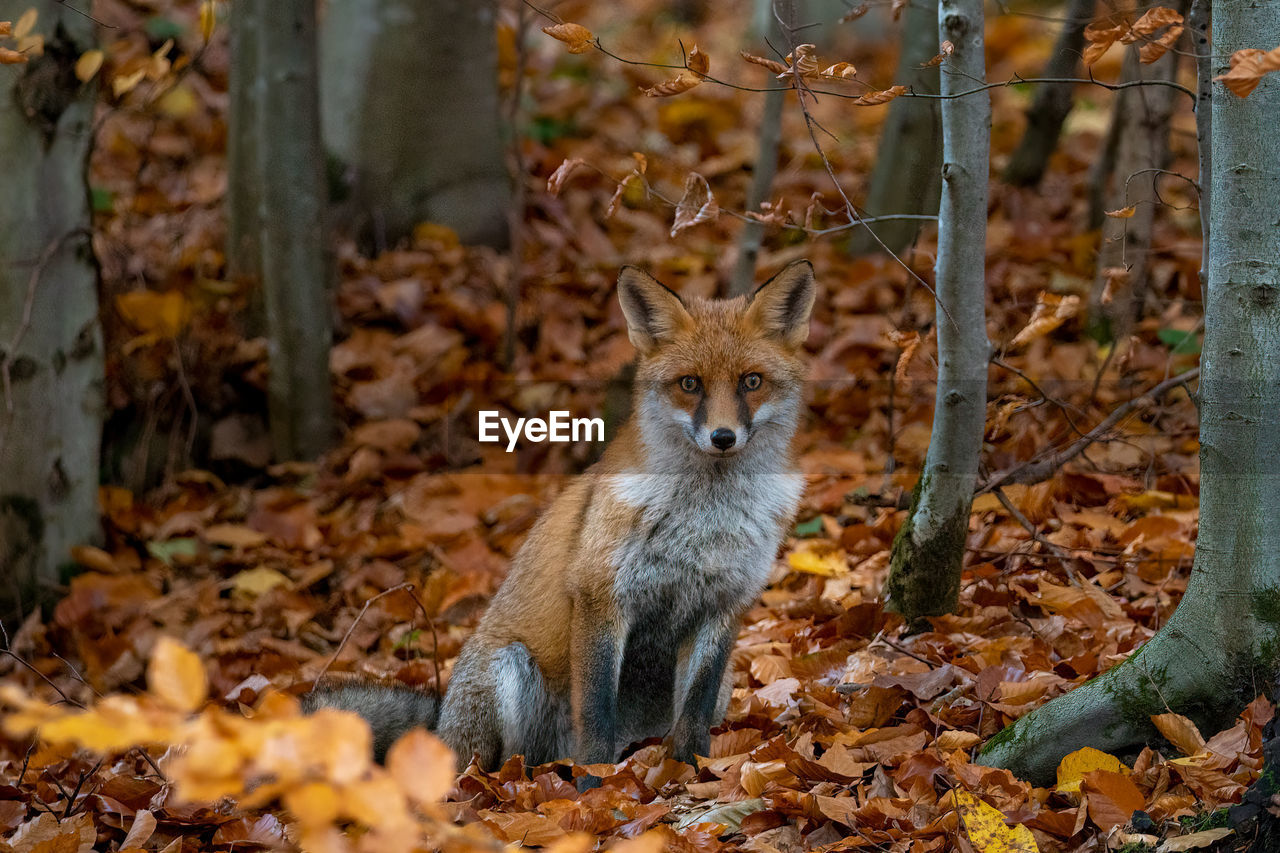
(346, 637)
(1043, 465)
(1035, 533)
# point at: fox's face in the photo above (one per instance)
(718, 373)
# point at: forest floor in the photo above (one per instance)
(843, 732)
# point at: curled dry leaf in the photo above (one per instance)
(1155, 18)
(1180, 732)
(1123, 213)
(803, 62)
(11, 57)
(556, 182)
(696, 205)
(697, 65)
(772, 64)
(840, 71)
(1153, 50)
(1051, 311)
(6, 28)
(1247, 68)
(578, 38)
(944, 50)
(1100, 35)
(884, 96)
(855, 13)
(909, 343)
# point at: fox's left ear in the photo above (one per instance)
(782, 304)
(654, 313)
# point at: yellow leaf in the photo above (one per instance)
(208, 19)
(257, 581)
(165, 314)
(1180, 732)
(985, 827)
(26, 23)
(88, 64)
(315, 804)
(1155, 499)
(176, 676)
(577, 37)
(1074, 765)
(122, 84)
(1123, 213)
(828, 565)
(423, 766)
(178, 102)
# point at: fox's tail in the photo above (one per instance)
(390, 711)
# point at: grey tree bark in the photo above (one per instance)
(1198, 23)
(906, 175)
(51, 360)
(244, 249)
(924, 574)
(1053, 101)
(293, 202)
(1222, 644)
(411, 114)
(751, 240)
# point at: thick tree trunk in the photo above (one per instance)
(924, 576)
(244, 198)
(51, 363)
(1053, 100)
(751, 239)
(1222, 645)
(906, 175)
(410, 95)
(295, 268)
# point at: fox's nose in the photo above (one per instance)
(723, 438)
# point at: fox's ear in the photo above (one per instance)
(654, 313)
(782, 304)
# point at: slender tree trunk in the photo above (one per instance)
(410, 92)
(244, 250)
(924, 575)
(770, 136)
(906, 174)
(51, 362)
(1141, 117)
(295, 268)
(1222, 645)
(1053, 100)
(1198, 25)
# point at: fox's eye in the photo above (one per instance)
(751, 381)
(689, 384)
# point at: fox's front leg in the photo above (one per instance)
(596, 660)
(704, 666)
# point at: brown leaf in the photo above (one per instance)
(945, 50)
(696, 205)
(1155, 18)
(11, 57)
(1123, 212)
(698, 62)
(1180, 732)
(1100, 36)
(840, 71)
(873, 99)
(804, 62)
(562, 173)
(772, 64)
(1247, 68)
(1113, 798)
(1153, 50)
(682, 82)
(578, 38)
(1051, 311)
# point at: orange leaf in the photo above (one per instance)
(1247, 68)
(422, 765)
(1153, 50)
(1113, 798)
(682, 82)
(11, 57)
(773, 65)
(840, 71)
(176, 675)
(6, 28)
(1123, 213)
(1180, 732)
(698, 62)
(697, 205)
(1100, 36)
(945, 50)
(147, 311)
(1051, 311)
(873, 99)
(578, 38)
(1155, 18)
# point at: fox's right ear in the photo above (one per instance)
(654, 313)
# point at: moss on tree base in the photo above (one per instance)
(924, 576)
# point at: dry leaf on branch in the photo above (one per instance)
(874, 99)
(698, 65)
(697, 204)
(1101, 35)
(11, 57)
(1247, 68)
(944, 50)
(578, 38)
(772, 64)
(1123, 212)
(6, 28)
(557, 180)
(1051, 311)
(804, 61)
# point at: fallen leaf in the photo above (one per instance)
(1180, 732)
(1084, 760)
(1113, 798)
(176, 675)
(986, 830)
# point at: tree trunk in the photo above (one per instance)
(924, 575)
(410, 94)
(906, 175)
(1052, 102)
(1141, 117)
(1222, 645)
(1198, 28)
(770, 135)
(51, 362)
(295, 268)
(244, 248)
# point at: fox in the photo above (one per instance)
(617, 617)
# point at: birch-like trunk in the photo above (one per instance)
(411, 114)
(295, 268)
(1222, 645)
(924, 576)
(244, 250)
(909, 155)
(51, 362)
